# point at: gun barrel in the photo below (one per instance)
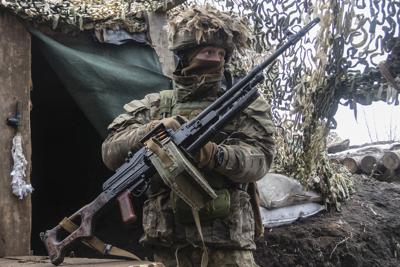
(229, 109)
(210, 116)
(245, 80)
(293, 39)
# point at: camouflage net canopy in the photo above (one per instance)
(351, 56)
(88, 14)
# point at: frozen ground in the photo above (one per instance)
(365, 233)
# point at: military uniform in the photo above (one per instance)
(247, 147)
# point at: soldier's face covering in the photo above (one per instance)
(201, 74)
(205, 60)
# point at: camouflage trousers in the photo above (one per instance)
(191, 257)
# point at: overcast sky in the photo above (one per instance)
(382, 120)
(377, 122)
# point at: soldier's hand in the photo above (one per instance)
(172, 123)
(205, 158)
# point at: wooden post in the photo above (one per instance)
(15, 84)
(158, 34)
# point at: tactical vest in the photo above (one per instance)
(170, 107)
(219, 207)
(216, 208)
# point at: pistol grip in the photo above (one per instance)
(126, 207)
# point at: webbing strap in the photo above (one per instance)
(160, 152)
(166, 98)
(204, 256)
(97, 244)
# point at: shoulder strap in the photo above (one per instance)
(252, 190)
(204, 256)
(97, 244)
(166, 99)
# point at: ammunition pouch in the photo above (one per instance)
(216, 208)
(179, 174)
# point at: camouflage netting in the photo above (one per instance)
(352, 56)
(88, 14)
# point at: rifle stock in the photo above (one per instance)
(134, 175)
(84, 218)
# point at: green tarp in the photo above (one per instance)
(103, 77)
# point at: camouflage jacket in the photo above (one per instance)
(249, 150)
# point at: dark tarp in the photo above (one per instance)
(103, 77)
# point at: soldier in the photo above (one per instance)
(203, 39)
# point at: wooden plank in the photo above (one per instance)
(15, 84)
(159, 39)
(40, 261)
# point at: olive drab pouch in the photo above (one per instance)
(158, 220)
(166, 102)
(179, 174)
(216, 208)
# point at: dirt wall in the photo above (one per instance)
(365, 233)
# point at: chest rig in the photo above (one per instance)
(219, 206)
(170, 107)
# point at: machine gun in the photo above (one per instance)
(162, 150)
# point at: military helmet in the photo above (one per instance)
(206, 25)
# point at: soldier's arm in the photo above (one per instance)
(248, 152)
(126, 131)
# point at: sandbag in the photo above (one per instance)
(287, 215)
(277, 190)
